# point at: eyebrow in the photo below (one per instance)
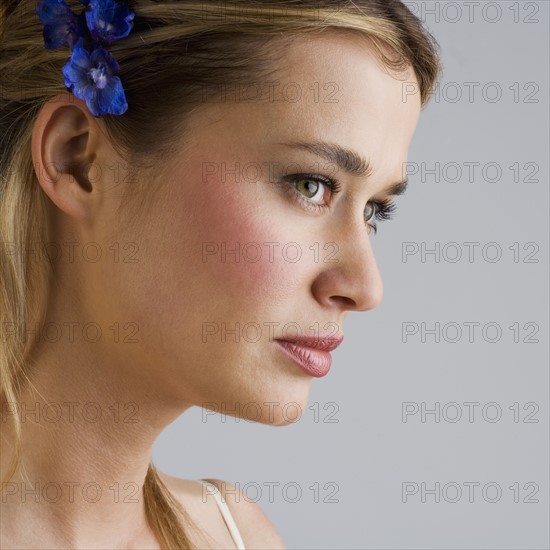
(348, 160)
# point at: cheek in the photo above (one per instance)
(240, 242)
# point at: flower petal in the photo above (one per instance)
(108, 20)
(93, 105)
(112, 99)
(100, 54)
(80, 57)
(60, 23)
(50, 11)
(76, 73)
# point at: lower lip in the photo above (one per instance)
(315, 362)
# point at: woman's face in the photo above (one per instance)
(232, 254)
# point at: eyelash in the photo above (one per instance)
(384, 209)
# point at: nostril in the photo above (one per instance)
(344, 302)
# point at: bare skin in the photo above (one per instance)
(172, 290)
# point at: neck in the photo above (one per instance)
(87, 435)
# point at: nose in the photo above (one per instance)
(351, 279)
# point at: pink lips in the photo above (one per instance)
(311, 353)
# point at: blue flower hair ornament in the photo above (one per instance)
(90, 71)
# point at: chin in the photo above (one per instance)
(278, 404)
(281, 407)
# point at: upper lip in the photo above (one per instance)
(326, 343)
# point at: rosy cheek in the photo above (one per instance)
(236, 224)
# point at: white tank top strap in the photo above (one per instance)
(224, 509)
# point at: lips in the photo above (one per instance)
(310, 353)
(326, 343)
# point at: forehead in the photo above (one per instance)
(344, 89)
(327, 87)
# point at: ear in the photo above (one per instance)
(65, 142)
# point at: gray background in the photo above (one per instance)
(359, 443)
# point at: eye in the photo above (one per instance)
(379, 210)
(309, 191)
(312, 191)
(311, 188)
(369, 212)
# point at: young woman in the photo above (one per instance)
(143, 145)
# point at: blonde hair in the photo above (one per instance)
(225, 44)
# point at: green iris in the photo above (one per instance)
(310, 188)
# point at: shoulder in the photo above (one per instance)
(256, 529)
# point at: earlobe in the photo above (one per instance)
(63, 148)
